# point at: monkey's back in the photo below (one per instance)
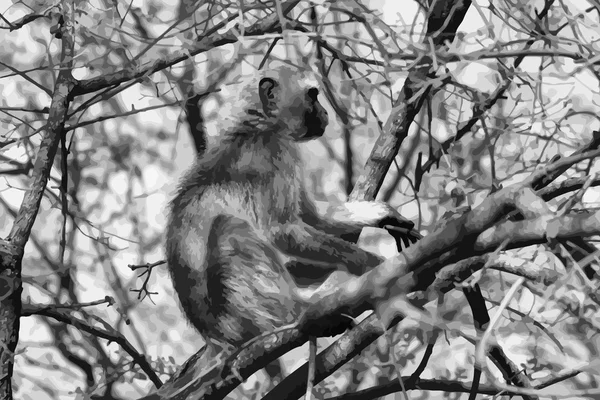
(218, 244)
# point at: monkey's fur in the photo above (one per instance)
(242, 212)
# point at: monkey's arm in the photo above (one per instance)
(309, 245)
(346, 220)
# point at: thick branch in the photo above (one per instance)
(408, 271)
(61, 99)
(10, 269)
(416, 88)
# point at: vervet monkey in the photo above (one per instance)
(242, 212)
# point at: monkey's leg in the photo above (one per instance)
(307, 273)
(251, 291)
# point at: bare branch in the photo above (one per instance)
(21, 22)
(10, 303)
(209, 41)
(61, 313)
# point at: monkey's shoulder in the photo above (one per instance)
(252, 195)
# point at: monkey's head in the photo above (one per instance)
(278, 101)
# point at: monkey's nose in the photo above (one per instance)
(313, 93)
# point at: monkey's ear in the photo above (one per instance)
(266, 88)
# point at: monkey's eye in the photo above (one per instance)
(313, 93)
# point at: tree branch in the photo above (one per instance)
(443, 21)
(10, 270)
(210, 40)
(108, 333)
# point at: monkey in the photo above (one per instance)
(242, 213)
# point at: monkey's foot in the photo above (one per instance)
(331, 326)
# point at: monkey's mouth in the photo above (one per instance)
(315, 126)
(315, 121)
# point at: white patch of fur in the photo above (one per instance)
(367, 213)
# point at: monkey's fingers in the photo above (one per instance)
(410, 234)
(406, 236)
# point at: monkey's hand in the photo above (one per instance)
(372, 213)
(406, 236)
(382, 215)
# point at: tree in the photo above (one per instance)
(477, 119)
